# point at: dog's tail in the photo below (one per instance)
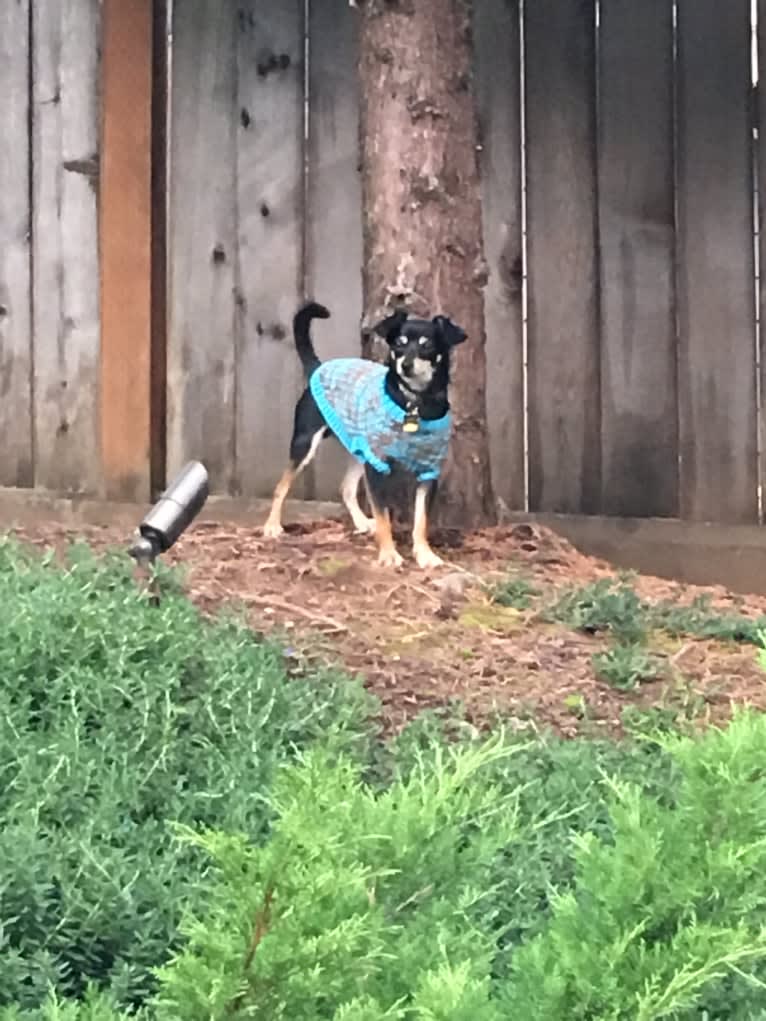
(304, 345)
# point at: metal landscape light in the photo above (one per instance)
(171, 515)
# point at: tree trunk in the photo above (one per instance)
(422, 209)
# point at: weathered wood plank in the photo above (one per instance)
(125, 196)
(159, 246)
(66, 36)
(203, 240)
(334, 214)
(563, 358)
(715, 252)
(15, 281)
(269, 195)
(498, 81)
(639, 423)
(759, 98)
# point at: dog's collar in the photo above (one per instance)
(411, 423)
(415, 393)
(411, 404)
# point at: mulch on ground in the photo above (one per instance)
(424, 640)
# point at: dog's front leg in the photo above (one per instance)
(388, 555)
(424, 555)
(348, 491)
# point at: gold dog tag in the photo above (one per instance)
(411, 424)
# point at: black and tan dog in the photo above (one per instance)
(388, 417)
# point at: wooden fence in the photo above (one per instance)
(49, 326)
(619, 168)
(76, 270)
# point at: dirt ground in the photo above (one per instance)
(423, 640)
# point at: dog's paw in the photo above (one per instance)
(390, 558)
(272, 530)
(364, 526)
(426, 558)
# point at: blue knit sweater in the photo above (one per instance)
(351, 394)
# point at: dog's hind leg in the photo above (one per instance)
(424, 555)
(388, 555)
(302, 452)
(349, 491)
(273, 527)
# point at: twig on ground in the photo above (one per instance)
(424, 592)
(282, 604)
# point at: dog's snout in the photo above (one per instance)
(408, 365)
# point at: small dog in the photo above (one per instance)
(395, 416)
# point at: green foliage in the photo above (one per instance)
(613, 606)
(605, 605)
(324, 876)
(340, 833)
(666, 917)
(514, 591)
(625, 666)
(656, 907)
(701, 620)
(115, 717)
(384, 895)
(559, 785)
(649, 721)
(93, 1006)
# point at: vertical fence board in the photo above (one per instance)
(498, 77)
(639, 424)
(66, 37)
(760, 106)
(715, 252)
(125, 212)
(563, 351)
(269, 191)
(202, 240)
(334, 215)
(159, 243)
(15, 283)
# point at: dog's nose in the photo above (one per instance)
(407, 367)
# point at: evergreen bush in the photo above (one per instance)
(117, 717)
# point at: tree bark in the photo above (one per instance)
(422, 209)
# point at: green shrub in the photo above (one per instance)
(115, 717)
(440, 877)
(94, 1006)
(606, 605)
(612, 605)
(421, 823)
(514, 591)
(701, 620)
(362, 904)
(676, 716)
(666, 917)
(560, 791)
(625, 666)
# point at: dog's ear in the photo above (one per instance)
(451, 333)
(391, 325)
